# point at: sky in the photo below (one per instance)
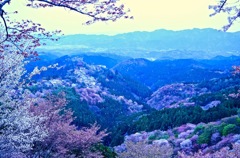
(149, 15)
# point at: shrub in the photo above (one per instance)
(106, 151)
(199, 128)
(230, 128)
(205, 137)
(158, 136)
(220, 127)
(238, 121)
(152, 137)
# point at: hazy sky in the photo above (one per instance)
(148, 15)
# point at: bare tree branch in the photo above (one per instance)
(4, 3)
(231, 8)
(66, 6)
(2, 16)
(222, 5)
(5, 26)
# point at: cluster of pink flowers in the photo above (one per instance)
(172, 95)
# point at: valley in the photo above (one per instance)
(127, 95)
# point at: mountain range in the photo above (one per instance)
(159, 44)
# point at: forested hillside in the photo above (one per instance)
(123, 104)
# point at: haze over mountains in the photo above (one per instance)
(159, 44)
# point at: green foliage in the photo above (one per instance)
(230, 128)
(204, 99)
(220, 127)
(165, 136)
(216, 85)
(81, 112)
(162, 72)
(157, 136)
(199, 129)
(111, 111)
(205, 137)
(123, 86)
(229, 120)
(220, 95)
(238, 112)
(232, 103)
(33, 89)
(205, 132)
(152, 137)
(116, 136)
(238, 121)
(106, 151)
(169, 118)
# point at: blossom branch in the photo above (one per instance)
(228, 7)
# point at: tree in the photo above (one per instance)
(144, 150)
(229, 129)
(63, 139)
(236, 70)
(19, 128)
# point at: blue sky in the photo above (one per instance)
(148, 15)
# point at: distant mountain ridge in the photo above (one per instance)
(159, 44)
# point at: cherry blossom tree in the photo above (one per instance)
(64, 139)
(144, 150)
(236, 70)
(225, 152)
(19, 128)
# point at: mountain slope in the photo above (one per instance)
(161, 72)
